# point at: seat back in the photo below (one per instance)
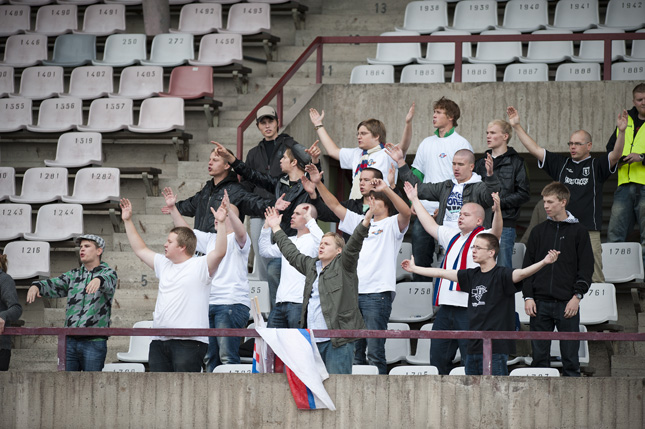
(59, 114)
(549, 52)
(91, 82)
(77, 149)
(15, 114)
(7, 182)
(27, 259)
(414, 370)
(139, 82)
(199, 18)
(364, 370)
(16, 220)
(576, 15)
(533, 72)
(599, 305)
(444, 53)
(519, 308)
(422, 354)
(423, 73)
(396, 53)
(396, 349)
(477, 73)
(190, 82)
(578, 72)
(622, 262)
(41, 82)
(57, 222)
(24, 50)
(519, 249)
(458, 370)
(219, 50)
(6, 80)
(139, 345)
(583, 351)
(171, 49)
(526, 15)
(53, 20)
(594, 50)
(95, 185)
(425, 17)
(14, 19)
(42, 185)
(124, 367)
(475, 17)
(260, 288)
(123, 50)
(413, 302)
(535, 372)
(628, 71)
(73, 50)
(238, 368)
(372, 74)
(249, 18)
(104, 19)
(161, 114)
(638, 49)
(405, 252)
(625, 15)
(109, 115)
(499, 52)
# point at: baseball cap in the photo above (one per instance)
(265, 111)
(95, 238)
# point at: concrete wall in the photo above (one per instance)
(69, 400)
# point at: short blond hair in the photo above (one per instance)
(338, 240)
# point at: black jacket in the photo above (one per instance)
(571, 273)
(510, 170)
(326, 215)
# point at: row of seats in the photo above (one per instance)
(135, 2)
(54, 222)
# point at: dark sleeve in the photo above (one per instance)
(521, 193)
(508, 286)
(553, 164)
(602, 167)
(353, 247)
(291, 252)
(612, 140)
(325, 214)
(249, 203)
(425, 191)
(585, 262)
(464, 278)
(529, 259)
(9, 296)
(188, 207)
(484, 190)
(262, 180)
(480, 166)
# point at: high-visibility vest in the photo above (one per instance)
(634, 172)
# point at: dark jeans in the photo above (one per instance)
(628, 208)
(285, 315)
(338, 360)
(550, 314)
(422, 249)
(506, 243)
(176, 355)
(273, 277)
(225, 350)
(376, 309)
(85, 355)
(442, 351)
(5, 358)
(475, 364)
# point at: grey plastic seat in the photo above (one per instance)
(73, 50)
(125, 2)
(54, 20)
(94, 185)
(109, 115)
(40, 82)
(248, 18)
(199, 19)
(77, 149)
(497, 52)
(15, 114)
(628, 16)
(549, 52)
(139, 82)
(217, 50)
(628, 71)
(25, 50)
(475, 17)
(123, 50)
(477, 73)
(396, 54)
(159, 115)
(171, 50)
(423, 73)
(16, 221)
(575, 15)
(14, 19)
(593, 51)
(58, 114)
(57, 222)
(90, 82)
(103, 19)
(413, 302)
(7, 182)
(577, 72)
(139, 345)
(42, 185)
(372, 74)
(638, 50)
(424, 17)
(27, 259)
(444, 53)
(534, 72)
(526, 15)
(6, 81)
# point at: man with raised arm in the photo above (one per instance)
(184, 288)
(377, 262)
(229, 304)
(583, 174)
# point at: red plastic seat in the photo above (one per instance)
(189, 82)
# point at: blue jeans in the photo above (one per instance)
(176, 355)
(273, 277)
(338, 360)
(85, 355)
(506, 243)
(376, 309)
(285, 315)
(550, 314)
(628, 209)
(225, 350)
(475, 364)
(442, 351)
(422, 249)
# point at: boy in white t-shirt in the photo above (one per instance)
(184, 286)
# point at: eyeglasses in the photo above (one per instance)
(479, 248)
(576, 143)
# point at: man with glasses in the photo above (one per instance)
(582, 174)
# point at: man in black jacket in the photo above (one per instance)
(552, 296)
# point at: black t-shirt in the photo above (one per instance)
(584, 180)
(491, 304)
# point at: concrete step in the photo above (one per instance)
(331, 69)
(627, 366)
(305, 37)
(365, 9)
(55, 317)
(350, 53)
(49, 342)
(153, 241)
(46, 360)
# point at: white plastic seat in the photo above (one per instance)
(533, 72)
(638, 50)
(593, 51)
(475, 17)
(424, 17)
(7, 182)
(199, 19)
(599, 305)
(31, 2)
(519, 308)
(77, 2)
(405, 252)
(396, 349)
(58, 222)
(40, 82)
(16, 221)
(497, 52)
(477, 73)
(413, 302)
(576, 72)
(25, 50)
(14, 19)
(422, 73)
(549, 52)
(125, 2)
(123, 50)
(364, 370)
(526, 15)
(109, 115)
(622, 262)
(628, 71)
(54, 20)
(535, 372)
(220, 1)
(576, 15)
(6, 81)
(77, 149)
(517, 260)
(139, 346)
(260, 288)
(170, 50)
(139, 82)
(58, 115)
(90, 82)
(103, 19)
(397, 54)
(94, 185)
(42, 185)
(27, 259)
(583, 351)
(234, 368)
(124, 367)
(218, 50)
(248, 18)
(422, 354)
(458, 370)
(444, 53)
(414, 370)
(15, 114)
(372, 74)
(625, 15)
(73, 50)
(158, 115)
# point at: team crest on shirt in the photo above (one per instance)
(478, 293)
(586, 171)
(370, 162)
(378, 232)
(442, 155)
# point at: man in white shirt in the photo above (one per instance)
(184, 286)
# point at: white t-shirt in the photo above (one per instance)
(377, 260)
(182, 301)
(350, 158)
(434, 160)
(230, 284)
(456, 200)
(447, 296)
(292, 283)
(315, 317)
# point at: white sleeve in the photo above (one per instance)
(419, 158)
(444, 234)
(159, 262)
(202, 240)
(350, 222)
(268, 250)
(246, 249)
(204, 275)
(315, 231)
(393, 224)
(346, 158)
(466, 145)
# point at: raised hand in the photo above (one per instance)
(410, 191)
(307, 213)
(93, 286)
(314, 175)
(220, 214)
(370, 212)
(316, 118)
(281, 204)
(272, 217)
(410, 115)
(308, 185)
(169, 196)
(552, 256)
(221, 151)
(126, 209)
(513, 116)
(489, 165)
(496, 202)
(379, 185)
(314, 152)
(395, 153)
(621, 121)
(408, 264)
(32, 293)
(391, 174)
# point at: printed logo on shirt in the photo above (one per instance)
(577, 182)
(478, 293)
(570, 170)
(586, 171)
(371, 162)
(453, 206)
(442, 155)
(377, 232)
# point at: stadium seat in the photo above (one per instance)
(424, 17)
(458, 370)
(139, 346)
(405, 252)
(423, 73)
(364, 370)
(549, 52)
(58, 115)
(599, 305)
(94, 185)
(638, 50)
(396, 349)
(15, 113)
(260, 288)
(124, 367)
(248, 18)
(622, 262)
(593, 51)
(14, 19)
(57, 222)
(32, 2)
(42, 185)
(625, 15)
(6, 81)
(158, 115)
(27, 259)
(477, 73)
(125, 2)
(534, 72)
(190, 82)
(108, 115)
(583, 351)
(218, 50)
(123, 50)
(576, 72)
(77, 150)
(40, 82)
(396, 54)
(422, 354)
(139, 82)
(526, 15)
(73, 50)
(7, 182)
(413, 302)
(444, 53)
(497, 52)
(535, 372)
(103, 19)
(25, 50)
(628, 71)
(519, 249)
(519, 308)
(414, 370)
(220, 1)
(90, 82)
(77, 2)
(372, 74)
(575, 15)
(234, 368)
(199, 19)
(475, 17)
(54, 20)
(16, 221)
(170, 50)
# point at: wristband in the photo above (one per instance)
(317, 127)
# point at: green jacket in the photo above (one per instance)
(338, 283)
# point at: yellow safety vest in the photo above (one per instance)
(634, 172)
